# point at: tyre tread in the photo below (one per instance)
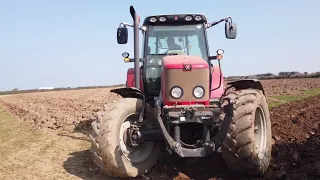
(238, 148)
(103, 148)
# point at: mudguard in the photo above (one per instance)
(246, 84)
(129, 92)
(132, 92)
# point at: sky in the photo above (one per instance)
(60, 43)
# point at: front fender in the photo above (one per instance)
(132, 92)
(129, 92)
(246, 84)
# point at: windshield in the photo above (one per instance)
(167, 40)
(170, 40)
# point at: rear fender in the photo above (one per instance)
(129, 92)
(247, 84)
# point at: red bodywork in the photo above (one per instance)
(216, 75)
(130, 79)
(175, 62)
(214, 84)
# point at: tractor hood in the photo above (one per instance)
(179, 61)
(187, 73)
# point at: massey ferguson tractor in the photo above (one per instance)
(175, 101)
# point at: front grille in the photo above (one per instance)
(187, 80)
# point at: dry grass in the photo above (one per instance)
(14, 135)
(29, 154)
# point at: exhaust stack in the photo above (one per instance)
(136, 21)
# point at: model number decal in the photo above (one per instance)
(205, 117)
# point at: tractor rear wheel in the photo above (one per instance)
(109, 150)
(248, 144)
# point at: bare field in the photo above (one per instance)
(63, 110)
(275, 87)
(73, 110)
(66, 116)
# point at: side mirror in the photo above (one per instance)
(122, 35)
(231, 30)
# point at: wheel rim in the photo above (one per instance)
(134, 154)
(260, 131)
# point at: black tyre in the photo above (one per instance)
(110, 153)
(248, 144)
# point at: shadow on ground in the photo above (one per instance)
(211, 167)
(291, 161)
(81, 165)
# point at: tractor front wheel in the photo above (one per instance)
(247, 146)
(110, 151)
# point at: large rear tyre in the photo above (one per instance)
(248, 144)
(109, 150)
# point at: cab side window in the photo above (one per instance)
(152, 45)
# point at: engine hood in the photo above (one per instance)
(180, 61)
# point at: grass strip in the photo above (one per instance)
(275, 101)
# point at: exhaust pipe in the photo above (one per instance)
(136, 21)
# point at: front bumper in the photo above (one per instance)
(196, 115)
(207, 115)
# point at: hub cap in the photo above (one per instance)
(134, 154)
(260, 131)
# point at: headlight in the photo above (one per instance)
(198, 92)
(198, 18)
(188, 18)
(162, 19)
(176, 92)
(153, 19)
(220, 51)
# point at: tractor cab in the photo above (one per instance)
(175, 35)
(170, 35)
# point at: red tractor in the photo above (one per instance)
(175, 99)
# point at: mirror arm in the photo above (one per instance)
(209, 25)
(124, 24)
(132, 60)
(217, 57)
(212, 57)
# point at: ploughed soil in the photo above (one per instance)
(63, 111)
(63, 151)
(275, 87)
(67, 111)
(289, 86)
